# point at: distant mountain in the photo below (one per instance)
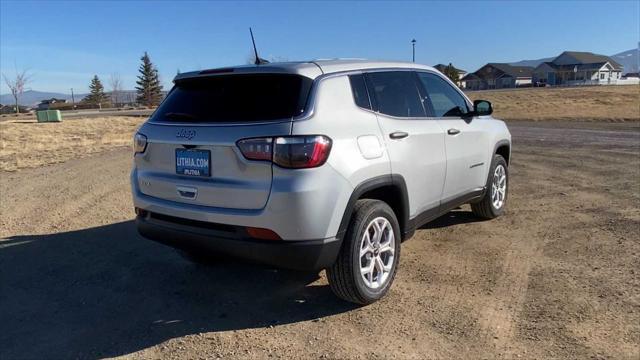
(628, 59)
(532, 63)
(32, 97)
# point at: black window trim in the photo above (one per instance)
(366, 89)
(455, 88)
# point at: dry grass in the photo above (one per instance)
(594, 103)
(28, 144)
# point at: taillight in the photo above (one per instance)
(301, 151)
(293, 152)
(139, 143)
(257, 148)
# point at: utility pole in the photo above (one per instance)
(73, 101)
(413, 45)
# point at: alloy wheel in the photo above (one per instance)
(377, 249)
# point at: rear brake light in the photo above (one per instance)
(301, 151)
(216, 71)
(293, 152)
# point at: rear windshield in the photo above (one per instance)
(235, 98)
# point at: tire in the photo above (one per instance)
(344, 275)
(487, 208)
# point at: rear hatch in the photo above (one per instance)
(192, 156)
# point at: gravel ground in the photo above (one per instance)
(556, 277)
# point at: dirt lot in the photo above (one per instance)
(590, 103)
(557, 276)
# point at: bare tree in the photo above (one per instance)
(116, 88)
(16, 85)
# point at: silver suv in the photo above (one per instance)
(315, 165)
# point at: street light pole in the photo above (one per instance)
(73, 101)
(413, 45)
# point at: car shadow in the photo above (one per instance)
(455, 217)
(105, 291)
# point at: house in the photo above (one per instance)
(48, 103)
(461, 73)
(578, 68)
(11, 109)
(498, 76)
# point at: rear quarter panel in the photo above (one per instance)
(357, 152)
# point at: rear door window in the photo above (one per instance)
(396, 93)
(235, 98)
(445, 101)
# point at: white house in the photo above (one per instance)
(578, 68)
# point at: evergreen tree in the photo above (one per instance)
(452, 73)
(149, 87)
(96, 93)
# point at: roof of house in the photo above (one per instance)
(589, 58)
(513, 71)
(442, 67)
(576, 67)
(52, 100)
(470, 76)
(503, 69)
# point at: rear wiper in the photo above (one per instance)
(179, 115)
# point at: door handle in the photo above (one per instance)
(398, 135)
(453, 131)
(187, 192)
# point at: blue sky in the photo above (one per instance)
(64, 43)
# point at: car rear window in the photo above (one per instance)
(235, 98)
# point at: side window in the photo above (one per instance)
(445, 100)
(359, 90)
(396, 93)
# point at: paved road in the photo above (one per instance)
(86, 114)
(611, 136)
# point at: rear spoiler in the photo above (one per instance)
(307, 69)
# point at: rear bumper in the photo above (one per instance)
(303, 204)
(232, 241)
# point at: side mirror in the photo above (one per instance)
(482, 108)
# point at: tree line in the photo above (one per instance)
(148, 87)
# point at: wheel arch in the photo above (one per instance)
(391, 189)
(503, 148)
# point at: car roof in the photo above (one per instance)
(310, 69)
